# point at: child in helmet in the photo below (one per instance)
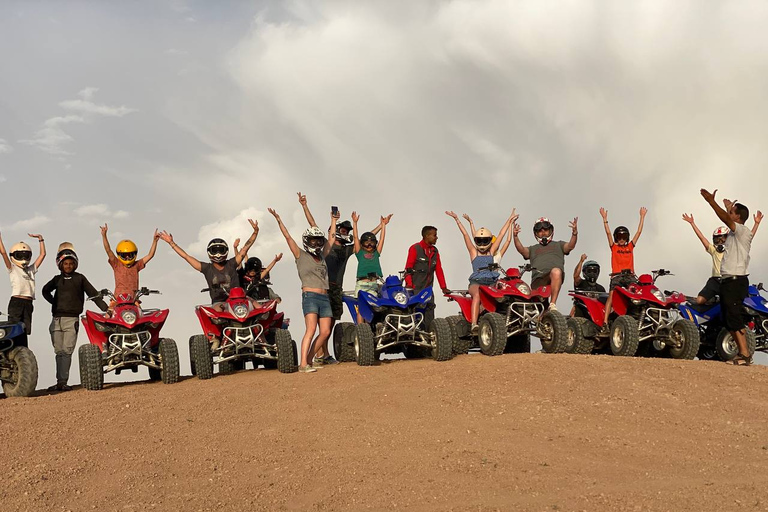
(221, 273)
(716, 249)
(622, 256)
(368, 252)
(547, 257)
(481, 254)
(67, 293)
(22, 276)
(502, 250)
(254, 278)
(125, 265)
(585, 276)
(313, 274)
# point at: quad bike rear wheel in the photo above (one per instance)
(554, 332)
(460, 332)
(22, 380)
(201, 357)
(342, 348)
(192, 359)
(442, 347)
(492, 336)
(687, 335)
(169, 357)
(286, 351)
(625, 336)
(91, 367)
(726, 346)
(365, 345)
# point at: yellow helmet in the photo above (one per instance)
(126, 252)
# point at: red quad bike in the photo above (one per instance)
(511, 312)
(646, 321)
(126, 340)
(243, 330)
(585, 328)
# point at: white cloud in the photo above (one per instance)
(52, 137)
(176, 51)
(33, 223)
(99, 212)
(269, 239)
(5, 147)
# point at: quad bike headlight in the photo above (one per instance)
(524, 288)
(100, 327)
(128, 317)
(240, 311)
(401, 298)
(659, 296)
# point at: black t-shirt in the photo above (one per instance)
(586, 286)
(336, 261)
(220, 281)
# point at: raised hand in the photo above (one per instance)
(39, 237)
(278, 256)
(254, 225)
(302, 199)
(708, 196)
(274, 213)
(166, 237)
(156, 235)
(574, 225)
(582, 258)
(468, 219)
(688, 218)
(643, 211)
(236, 244)
(335, 216)
(355, 217)
(514, 215)
(453, 214)
(385, 220)
(728, 204)
(604, 214)
(516, 229)
(758, 217)
(103, 229)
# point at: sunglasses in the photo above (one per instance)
(22, 255)
(127, 255)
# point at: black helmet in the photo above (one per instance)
(218, 250)
(368, 237)
(590, 270)
(253, 264)
(344, 239)
(621, 233)
(66, 254)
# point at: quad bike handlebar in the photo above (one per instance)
(759, 287)
(106, 292)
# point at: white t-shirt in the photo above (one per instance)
(23, 280)
(717, 259)
(736, 256)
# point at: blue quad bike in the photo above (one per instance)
(716, 341)
(394, 323)
(18, 365)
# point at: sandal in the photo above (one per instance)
(742, 360)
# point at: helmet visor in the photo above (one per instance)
(22, 255)
(315, 242)
(542, 226)
(591, 272)
(483, 240)
(718, 239)
(217, 250)
(127, 256)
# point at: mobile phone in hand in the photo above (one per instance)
(334, 210)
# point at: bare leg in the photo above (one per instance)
(322, 338)
(322, 350)
(608, 308)
(556, 282)
(474, 291)
(310, 320)
(740, 337)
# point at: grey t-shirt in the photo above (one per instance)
(337, 262)
(312, 273)
(546, 257)
(736, 256)
(220, 281)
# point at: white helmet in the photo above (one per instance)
(314, 240)
(722, 231)
(21, 254)
(543, 223)
(483, 239)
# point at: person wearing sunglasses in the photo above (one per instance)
(481, 249)
(22, 275)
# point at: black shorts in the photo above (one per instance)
(710, 289)
(20, 310)
(337, 303)
(733, 291)
(623, 280)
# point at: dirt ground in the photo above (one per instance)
(514, 432)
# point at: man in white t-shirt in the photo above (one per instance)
(734, 281)
(22, 276)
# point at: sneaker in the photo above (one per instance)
(553, 307)
(317, 362)
(330, 360)
(215, 342)
(306, 369)
(64, 387)
(474, 330)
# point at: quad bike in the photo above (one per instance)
(716, 341)
(648, 321)
(511, 312)
(18, 365)
(393, 323)
(586, 334)
(241, 330)
(125, 340)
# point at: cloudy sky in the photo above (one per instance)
(193, 116)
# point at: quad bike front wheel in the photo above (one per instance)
(365, 345)
(686, 336)
(91, 367)
(169, 358)
(492, 336)
(442, 345)
(342, 348)
(625, 336)
(726, 346)
(553, 329)
(22, 376)
(286, 351)
(201, 357)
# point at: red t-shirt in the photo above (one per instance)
(622, 257)
(126, 278)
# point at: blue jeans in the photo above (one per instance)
(316, 303)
